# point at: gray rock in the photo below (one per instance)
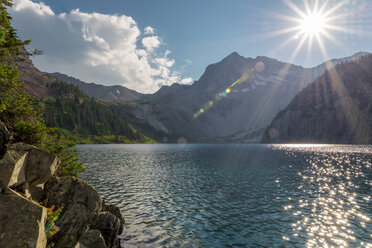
(19, 146)
(26, 168)
(22, 222)
(115, 211)
(34, 192)
(12, 167)
(92, 239)
(82, 205)
(41, 165)
(109, 225)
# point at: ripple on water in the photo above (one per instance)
(236, 195)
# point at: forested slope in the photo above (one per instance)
(86, 118)
(335, 108)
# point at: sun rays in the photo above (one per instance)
(306, 29)
(312, 27)
(316, 23)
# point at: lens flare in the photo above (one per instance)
(223, 94)
(259, 67)
(250, 73)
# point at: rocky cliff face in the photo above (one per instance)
(34, 80)
(26, 179)
(335, 108)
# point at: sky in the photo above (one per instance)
(146, 44)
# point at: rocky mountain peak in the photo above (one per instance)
(232, 55)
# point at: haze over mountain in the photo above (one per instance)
(335, 108)
(215, 109)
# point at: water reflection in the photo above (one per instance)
(333, 215)
(237, 195)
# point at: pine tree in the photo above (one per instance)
(18, 111)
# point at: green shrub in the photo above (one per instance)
(56, 143)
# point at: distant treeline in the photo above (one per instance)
(71, 109)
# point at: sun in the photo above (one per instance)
(313, 21)
(312, 28)
(313, 24)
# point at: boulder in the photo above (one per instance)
(22, 222)
(109, 225)
(82, 205)
(19, 146)
(92, 239)
(12, 167)
(26, 168)
(41, 165)
(115, 211)
(34, 192)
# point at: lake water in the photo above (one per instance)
(236, 195)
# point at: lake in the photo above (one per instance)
(227, 195)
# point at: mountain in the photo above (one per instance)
(34, 80)
(215, 108)
(82, 118)
(335, 108)
(107, 93)
(331, 63)
(86, 117)
(233, 101)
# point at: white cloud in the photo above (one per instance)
(186, 81)
(39, 8)
(151, 42)
(94, 47)
(164, 62)
(149, 30)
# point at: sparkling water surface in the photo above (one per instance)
(236, 195)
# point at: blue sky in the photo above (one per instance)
(185, 36)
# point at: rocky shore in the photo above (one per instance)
(40, 209)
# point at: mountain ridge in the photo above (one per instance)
(131, 95)
(273, 82)
(115, 93)
(82, 118)
(335, 108)
(258, 88)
